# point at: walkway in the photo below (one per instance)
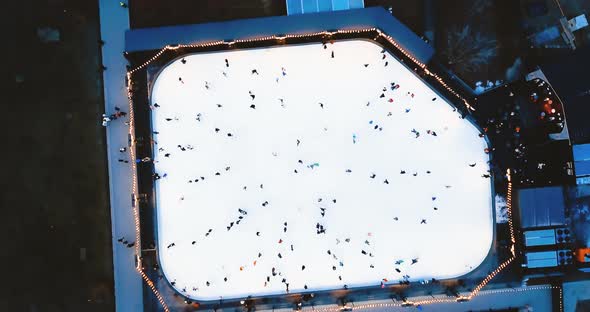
(114, 21)
(536, 298)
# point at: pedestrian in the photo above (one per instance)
(123, 149)
(105, 120)
(123, 4)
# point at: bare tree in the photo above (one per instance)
(467, 50)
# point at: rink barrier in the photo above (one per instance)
(280, 39)
(132, 151)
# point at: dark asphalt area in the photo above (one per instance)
(55, 196)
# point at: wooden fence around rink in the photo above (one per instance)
(278, 39)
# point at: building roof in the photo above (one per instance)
(539, 237)
(541, 259)
(582, 159)
(568, 77)
(146, 39)
(312, 6)
(540, 207)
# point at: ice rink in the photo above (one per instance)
(310, 167)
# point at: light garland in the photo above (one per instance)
(132, 151)
(281, 38)
(560, 298)
(509, 207)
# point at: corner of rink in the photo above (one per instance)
(312, 167)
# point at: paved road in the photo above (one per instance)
(114, 21)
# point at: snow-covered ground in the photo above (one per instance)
(252, 163)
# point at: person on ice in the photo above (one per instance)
(313, 165)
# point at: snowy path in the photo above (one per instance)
(114, 21)
(323, 144)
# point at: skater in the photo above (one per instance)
(332, 54)
(254, 71)
(423, 221)
(252, 95)
(226, 63)
(183, 61)
(472, 165)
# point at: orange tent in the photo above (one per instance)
(583, 255)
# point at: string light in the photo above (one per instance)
(132, 151)
(279, 39)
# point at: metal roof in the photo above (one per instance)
(541, 207)
(582, 159)
(541, 259)
(313, 6)
(539, 238)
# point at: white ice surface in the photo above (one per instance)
(263, 150)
